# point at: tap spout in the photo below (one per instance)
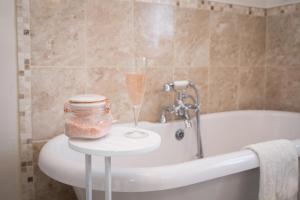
(163, 118)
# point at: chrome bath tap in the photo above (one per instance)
(181, 109)
(184, 103)
(182, 106)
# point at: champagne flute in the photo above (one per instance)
(135, 81)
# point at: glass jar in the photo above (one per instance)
(87, 116)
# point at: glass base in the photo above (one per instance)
(136, 134)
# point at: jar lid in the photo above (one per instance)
(87, 98)
(87, 101)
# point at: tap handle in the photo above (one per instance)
(180, 85)
(168, 87)
(177, 85)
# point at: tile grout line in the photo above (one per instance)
(85, 43)
(238, 68)
(265, 62)
(209, 64)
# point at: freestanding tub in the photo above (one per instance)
(172, 171)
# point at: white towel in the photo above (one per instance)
(278, 162)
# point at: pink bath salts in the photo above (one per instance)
(86, 128)
(87, 116)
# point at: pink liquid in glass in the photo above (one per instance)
(136, 87)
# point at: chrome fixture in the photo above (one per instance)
(183, 104)
(168, 87)
(179, 134)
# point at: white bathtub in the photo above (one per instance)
(173, 172)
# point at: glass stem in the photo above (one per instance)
(136, 112)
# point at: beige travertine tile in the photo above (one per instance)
(224, 52)
(155, 98)
(237, 9)
(222, 89)
(224, 24)
(252, 41)
(50, 89)
(251, 88)
(273, 87)
(252, 51)
(180, 73)
(252, 25)
(258, 11)
(154, 29)
(283, 40)
(192, 38)
(45, 187)
(57, 32)
(224, 42)
(109, 33)
(294, 41)
(291, 89)
(277, 40)
(273, 11)
(110, 82)
(283, 89)
(199, 76)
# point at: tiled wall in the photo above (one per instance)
(234, 55)
(283, 59)
(81, 46)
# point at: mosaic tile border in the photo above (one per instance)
(288, 9)
(212, 6)
(224, 7)
(24, 70)
(24, 98)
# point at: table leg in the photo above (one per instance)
(88, 177)
(107, 178)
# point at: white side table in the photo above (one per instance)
(114, 144)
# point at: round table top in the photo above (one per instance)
(116, 143)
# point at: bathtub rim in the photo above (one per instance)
(141, 179)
